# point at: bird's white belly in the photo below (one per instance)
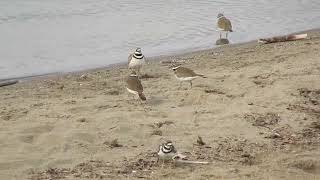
(136, 63)
(132, 92)
(186, 78)
(165, 156)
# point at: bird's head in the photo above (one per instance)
(220, 15)
(138, 50)
(174, 67)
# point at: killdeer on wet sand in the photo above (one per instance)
(223, 24)
(185, 74)
(136, 60)
(134, 86)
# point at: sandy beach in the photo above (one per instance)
(258, 113)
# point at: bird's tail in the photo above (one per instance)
(203, 76)
(231, 30)
(142, 96)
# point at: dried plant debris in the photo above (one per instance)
(310, 104)
(263, 120)
(230, 149)
(312, 96)
(214, 91)
(200, 142)
(157, 132)
(51, 173)
(160, 124)
(306, 164)
(315, 124)
(113, 144)
(140, 166)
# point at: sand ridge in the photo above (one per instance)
(257, 112)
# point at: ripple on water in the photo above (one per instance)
(76, 34)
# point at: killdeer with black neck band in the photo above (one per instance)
(167, 152)
(185, 74)
(136, 60)
(134, 86)
(224, 24)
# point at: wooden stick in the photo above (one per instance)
(190, 162)
(283, 38)
(7, 83)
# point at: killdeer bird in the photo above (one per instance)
(136, 60)
(185, 74)
(134, 86)
(167, 152)
(224, 24)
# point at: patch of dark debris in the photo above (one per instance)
(267, 120)
(311, 96)
(230, 149)
(307, 165)
(263, 80)
(285, 136)
(214, 91)
(141, 167)
(310, 105)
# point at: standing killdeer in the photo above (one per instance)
(223, 24)
(134, 85)
(185, 74)
(136, 60)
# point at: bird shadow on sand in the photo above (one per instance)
(222, 41)
(155, 100)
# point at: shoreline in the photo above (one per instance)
(151, 59)
(257, 113)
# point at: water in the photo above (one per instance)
(44, 36)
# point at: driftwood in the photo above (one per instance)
(8, 82)
(283, 38)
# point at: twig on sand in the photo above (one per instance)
(282, 38)
(8, 82)
(179, 160)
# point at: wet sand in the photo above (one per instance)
(258, 113)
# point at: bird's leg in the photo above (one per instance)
(190, 84)
(220, 34)
(180, 85)
(162, 165)
(139, 73)
(227, 35)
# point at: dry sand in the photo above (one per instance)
(258, 113)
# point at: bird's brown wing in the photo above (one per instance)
(134, 84)
(224, 24)
(186, 72)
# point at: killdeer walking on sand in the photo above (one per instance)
(136, 60)
(223, 24)
(134, 86)
(185, 74)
